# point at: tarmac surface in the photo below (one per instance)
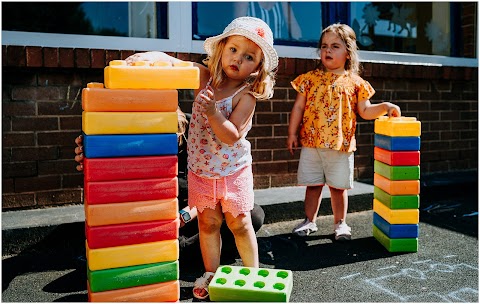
(43, 256)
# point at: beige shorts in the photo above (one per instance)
(320, 166)
(233, 192)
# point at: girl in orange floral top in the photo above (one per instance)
(323, 121)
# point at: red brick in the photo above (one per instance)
(15, 139)
(111, 55)
(4, 55)
(34, 153)
(82, 58)
(34, 56)
(125, 54)
(66, 58)
(34, 123)
(19, 169)
(50, 57)
(16, 201)
(16, 56)
(97, 58)
(37, 183)
(60, 197)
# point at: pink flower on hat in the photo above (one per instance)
(260, 32)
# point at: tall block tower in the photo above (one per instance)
(129, 126)
(397, 183)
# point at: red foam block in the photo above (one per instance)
(123, 168)
(132, 233)
(397, 158)
(130, 190)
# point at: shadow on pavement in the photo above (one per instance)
(299, 254)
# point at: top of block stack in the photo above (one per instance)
(398, 126)
(146, 75)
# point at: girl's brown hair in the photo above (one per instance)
(347, 34)
(261, 82)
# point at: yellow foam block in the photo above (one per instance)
(396, 187)
(159, 292)
(396, 216)
(130, 255)
(129, 122)
(398, 126)
(119, 75)
(130, 212)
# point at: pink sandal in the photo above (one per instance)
(200, 287)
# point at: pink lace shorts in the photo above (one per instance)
(233, 192)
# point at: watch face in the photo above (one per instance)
(186, 216)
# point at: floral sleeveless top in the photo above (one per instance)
(209, 157)
(330, 120)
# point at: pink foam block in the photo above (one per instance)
(132, 233)
(130, 190)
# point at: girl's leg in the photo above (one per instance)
(339, 198)
(313, 197)
(209, 223)
(245, 238)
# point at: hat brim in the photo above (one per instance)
(270, 54)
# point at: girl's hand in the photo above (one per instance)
(79, 152)
(393, 110)
(292, 142)
(207, 102)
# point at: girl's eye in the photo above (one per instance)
(248, 57)
(233, 49)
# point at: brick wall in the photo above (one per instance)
(41, 116)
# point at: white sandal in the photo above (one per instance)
(202, 284)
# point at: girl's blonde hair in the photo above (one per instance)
(347, 34)
(261, 82)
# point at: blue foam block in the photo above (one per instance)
(395, 231)
(97, 146)
(397, 143)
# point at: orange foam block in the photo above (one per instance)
(130, 255)
(130, 190)
(160, 292)
(397, 187)
(123, 168)
(95, 98)
(131, 233)
(119, 75)
(130, 212)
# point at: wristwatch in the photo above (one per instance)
(185, 216)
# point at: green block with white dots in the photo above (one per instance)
(247, 284)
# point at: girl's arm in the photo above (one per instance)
(296, 117)
(369, 111)
(229, 130)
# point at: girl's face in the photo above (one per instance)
(333, 53)
(240, 57)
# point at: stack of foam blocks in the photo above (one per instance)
(131, 188)
(397, 183)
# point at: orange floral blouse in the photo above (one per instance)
(330, 119)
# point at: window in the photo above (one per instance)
(405, 27)
(400, 32)
(123, 19)
(292, 23)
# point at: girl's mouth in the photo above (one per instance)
(234, 67)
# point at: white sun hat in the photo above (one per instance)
(254, 29)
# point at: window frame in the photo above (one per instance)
(180, 40)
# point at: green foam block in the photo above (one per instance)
(247, 284)
(396, 201)
(396, 172)
(139, 275)
(395, 245)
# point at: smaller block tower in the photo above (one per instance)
(396, 193)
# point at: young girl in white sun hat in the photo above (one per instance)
(240, 64)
